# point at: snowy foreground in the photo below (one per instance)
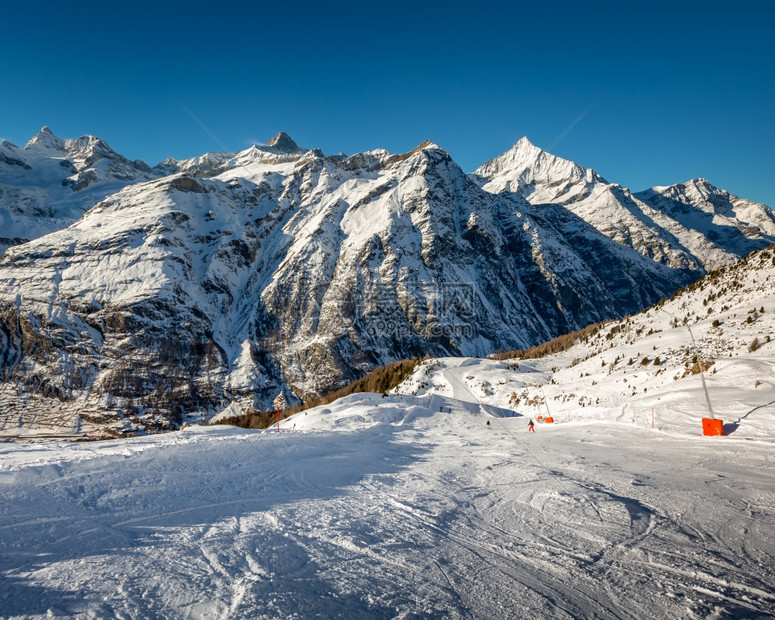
(389, 507)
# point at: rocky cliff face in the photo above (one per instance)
(238, 276)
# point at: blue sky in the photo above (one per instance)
(676, 91)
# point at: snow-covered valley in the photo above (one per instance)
(434, 500)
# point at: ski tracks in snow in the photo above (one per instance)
(434, 517)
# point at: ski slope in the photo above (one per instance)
(410, 505)
(401, 506)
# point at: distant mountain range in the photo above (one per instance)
(50, 183)
(131, 296)
(692, 225)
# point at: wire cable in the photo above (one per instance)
(225, 471)
(569, 127)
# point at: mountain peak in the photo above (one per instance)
(425, 145)
(698, 188)
(702, 183)
(524, 144)
(284, 143)
(45, 140)
(525, 151)
(428, 145)
(538, 175)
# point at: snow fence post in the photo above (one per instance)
(710, 426)
(548, 419)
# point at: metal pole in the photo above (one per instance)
(279, 402)
(699, 362)
(702, 372)
(546, 402)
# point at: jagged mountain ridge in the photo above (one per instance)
(236, 276)
(51, 182)
(305, 276)
(690, 226)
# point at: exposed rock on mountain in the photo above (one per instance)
(283, 143)
(275, 269)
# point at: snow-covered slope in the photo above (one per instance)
(691, 226)
(645, 368)
(436, 501)
(731, 222)
(50, 183)
(293, 271)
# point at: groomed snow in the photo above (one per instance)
(405, 506)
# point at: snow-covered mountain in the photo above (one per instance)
(734, 223)
(232, 277)
(50, 183)
(689, 226)
(539, 176)
(280, 149)
(300, 272)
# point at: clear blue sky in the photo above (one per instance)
(678, 89)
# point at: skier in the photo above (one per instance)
(488, 425)
(530, 428)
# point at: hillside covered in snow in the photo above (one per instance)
(645, 369)
(434, 500)
(226, 279)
